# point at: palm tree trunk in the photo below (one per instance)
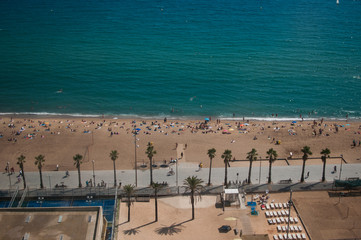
(303, 171)
(115, 175)
(270, 172)
(156, 204)
(225, 174)
(192, 201)
(210, 170)
(128, 208)
(23, 176)
(79, 177)
(151, 171)
(324, 169)
(250, 171)
(41, 179)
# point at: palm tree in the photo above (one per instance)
(39, 161)
(211, 154)
(77, 162)
(227, 156)
(326, 153)
(150, 153)
(194, 185)
(272, 155)
(20, 162)
(251, 156)
(113, 156)
(156, 186)
(306, 151)
(129, 190)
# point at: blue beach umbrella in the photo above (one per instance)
(138, 129)
(294, 121)
(206, 119)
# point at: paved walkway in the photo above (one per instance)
(235, 174)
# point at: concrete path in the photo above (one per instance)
(259, 175)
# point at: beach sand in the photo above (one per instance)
(59, 139)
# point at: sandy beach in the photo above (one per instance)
(59, 139)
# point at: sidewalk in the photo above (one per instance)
(51, 178)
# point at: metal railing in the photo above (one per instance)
(13, 197)
(23, 196)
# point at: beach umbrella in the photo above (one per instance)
(231, 129)
(294, 121)
(246, 124)
(225, 130)
(206, 119)
(138, 129)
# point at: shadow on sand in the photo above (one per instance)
(135, 230)
(172, 229)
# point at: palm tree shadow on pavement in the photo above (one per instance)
(172, 229)
(135, 230)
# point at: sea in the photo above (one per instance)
(261, 59)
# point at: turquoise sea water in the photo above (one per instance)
(195, 57)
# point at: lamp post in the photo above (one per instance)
(8, 165)
(339, 178)
(176, 171)
(135, 157)
(260, 164)
(237, 178)
(93, 173)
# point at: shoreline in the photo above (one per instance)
(39, 115)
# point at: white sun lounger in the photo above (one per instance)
(287, 212)
(275, 237)
(282, 219)
(299, 228)
(279, 213)
(303, 236)
(292, 228)
(289, 236)
(278, 221)
(279, 229)
(283, 212)
(285, 205)
(286, 220)
(267, 207)
(275, 213)
(296, 219)
(272, 205)
(283, 229)
(280, 236)
(294, 236)
(269, 221)
(271, 214)
(299, 236)
(280, 205)
(291, 220)
(276, 205)
(274, 221)
(267, 214)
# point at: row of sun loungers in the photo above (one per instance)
(290, 236)
(277, 206)
(282, 220)
(292, 228)
(277, 213)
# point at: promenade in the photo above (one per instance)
(235, 174)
